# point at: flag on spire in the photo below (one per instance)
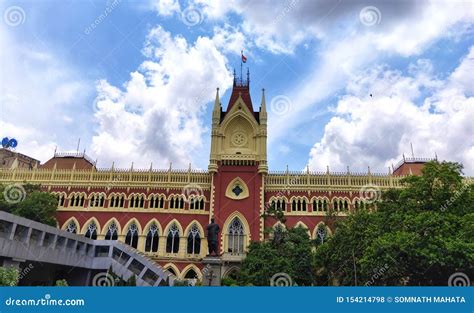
(244, 58)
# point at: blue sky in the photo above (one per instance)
(136, 82)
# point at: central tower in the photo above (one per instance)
(238, 164)
(239, 134)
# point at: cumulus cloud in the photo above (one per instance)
(41, 97)
(375, 130)
(157, 116)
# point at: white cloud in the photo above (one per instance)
(375, 131)
(166, 7)
(41, 97)
(158, 116)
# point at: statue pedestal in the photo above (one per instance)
(211, 273)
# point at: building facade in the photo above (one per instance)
(164, 213)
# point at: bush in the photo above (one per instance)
(8, 276)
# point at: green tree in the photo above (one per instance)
(9, 276)
(291, 254)
(30, 202)
(61, 283)
(419, 235)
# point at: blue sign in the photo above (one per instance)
(236, 299)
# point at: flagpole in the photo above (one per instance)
(241, 57)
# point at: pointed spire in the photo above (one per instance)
(263, 105)
(151, 166)
(217, 102)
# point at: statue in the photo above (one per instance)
(212, 237)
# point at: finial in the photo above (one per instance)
(327, 169)
(403, 157)
(368, 170)
(436, 156)
(55, 149)
(151, 166)
(348, 171)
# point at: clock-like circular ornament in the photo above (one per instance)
(239, 139)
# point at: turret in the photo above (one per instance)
(216, 112)
(263, 109)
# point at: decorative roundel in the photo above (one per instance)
(239, 139)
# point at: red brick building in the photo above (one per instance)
(164, 213)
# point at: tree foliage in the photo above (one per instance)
(419, 235)
(30, 202)
(9, 276)
(289, 252)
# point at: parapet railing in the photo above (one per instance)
(335, 179)
(107, 177)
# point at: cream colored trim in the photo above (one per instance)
(106, 226)
(174, 267)
(86, 224)
(188, 228)
(150, 222)
(167, 228)
(245, 189)
(189, 267)
(69, 220)
(225, 231)
(132, 220)
(134, 210)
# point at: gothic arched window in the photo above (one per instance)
(91, 231)
(172, 241)
(111, 232)
(72, 227)
(236, 236)
(131, 238)
(194, 240)
(152, 239)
